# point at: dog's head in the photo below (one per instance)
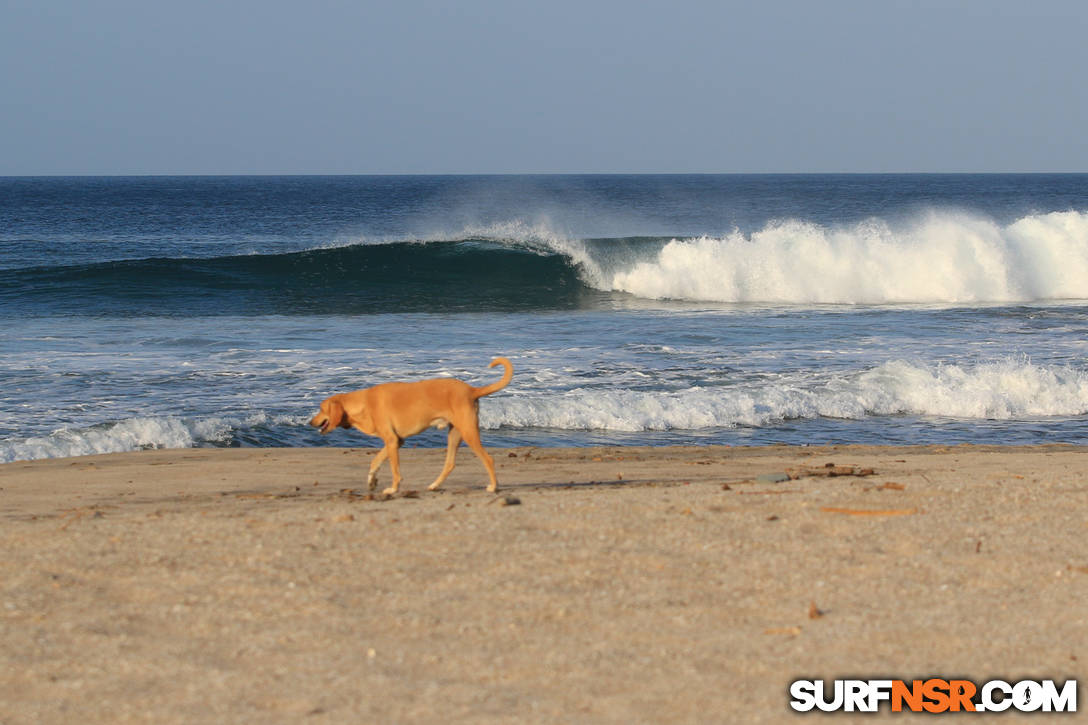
(330, 415)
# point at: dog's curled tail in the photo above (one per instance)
(496, 387)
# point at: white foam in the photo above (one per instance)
(1006, 390)
(132, 434)
(1012, 389)
(942, 258)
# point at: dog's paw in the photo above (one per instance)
(372, 483)
(389, 491)
(434, 486)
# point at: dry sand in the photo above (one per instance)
(628, 585)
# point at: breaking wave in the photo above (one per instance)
(944, 258)
(1009, 390)
(142, 433)
(940, 258)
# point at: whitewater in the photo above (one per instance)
(170, 313)
(942, 258)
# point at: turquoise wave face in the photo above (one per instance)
(357, 279)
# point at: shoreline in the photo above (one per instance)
(606, 584)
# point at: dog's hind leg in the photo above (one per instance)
(372, 476)
(452, 442)
(471, 434)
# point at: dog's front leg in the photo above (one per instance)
(392, 447)
(372, 477)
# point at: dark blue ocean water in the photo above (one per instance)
(179, 311)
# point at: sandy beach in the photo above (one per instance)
(608, 585)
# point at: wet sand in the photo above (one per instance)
(610, 585)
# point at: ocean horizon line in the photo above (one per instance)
(528, 174)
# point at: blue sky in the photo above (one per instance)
(542, 87)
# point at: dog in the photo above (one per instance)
(394, 411)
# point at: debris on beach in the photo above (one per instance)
(829, 470)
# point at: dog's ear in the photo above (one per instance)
(337, 417)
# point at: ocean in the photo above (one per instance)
(172, 312)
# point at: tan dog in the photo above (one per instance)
(394, 411)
